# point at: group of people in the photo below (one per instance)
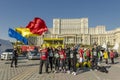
(68, 59)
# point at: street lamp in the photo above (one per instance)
(108, 44)
(81, 40)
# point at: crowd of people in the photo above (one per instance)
(69, 59)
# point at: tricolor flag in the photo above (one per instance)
(17, 36)
(37, 26)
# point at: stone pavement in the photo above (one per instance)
(29, 69)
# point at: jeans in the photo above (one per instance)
(14, 60)
(41, 65)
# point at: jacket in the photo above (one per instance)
(44, 54)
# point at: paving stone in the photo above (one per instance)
(28, 70)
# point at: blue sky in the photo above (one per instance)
(16, 13)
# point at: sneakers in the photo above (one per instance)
(15, 66)
(40, 72)
(91, 70)
(47, 72)
(55, 71)
(68, 72)
(74, 73)
(52, 71)
(95, 69)
(64, 71)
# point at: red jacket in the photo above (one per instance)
(44, 54)
(112, 55)
(81, 52)
(62, 55)
(88, 53)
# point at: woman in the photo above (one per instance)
(112, 56)
(105, 54)
(81, 51)
(62, 59)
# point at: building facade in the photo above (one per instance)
(70, 26)
(76, 31)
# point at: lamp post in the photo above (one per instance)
(76, 38)
(0, 48)
(81, 40)
(114, 41)
(108, 44)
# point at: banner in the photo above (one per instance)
(17, 36)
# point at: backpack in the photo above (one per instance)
(50, 53)
(56, 55)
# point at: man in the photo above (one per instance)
(43, 59)
(94, 57)
(67, 51)
(73, 56)
(51, 54)
(57, 60)
(14, 57)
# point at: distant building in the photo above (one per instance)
(70, 26)
(76, 31)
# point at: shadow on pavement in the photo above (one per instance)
(83, 70)
(26, 65)
(18, 62)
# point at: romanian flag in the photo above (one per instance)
(37, 26)
(17, 36)
(25, 32)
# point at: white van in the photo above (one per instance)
(6, 49)
(7, 54)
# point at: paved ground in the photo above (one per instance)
(28, 70)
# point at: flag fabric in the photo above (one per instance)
(17, 36)
(37, 26)
(25, 32)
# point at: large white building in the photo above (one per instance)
(77, 31)
(70, 26)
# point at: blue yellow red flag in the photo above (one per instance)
(12, 33)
